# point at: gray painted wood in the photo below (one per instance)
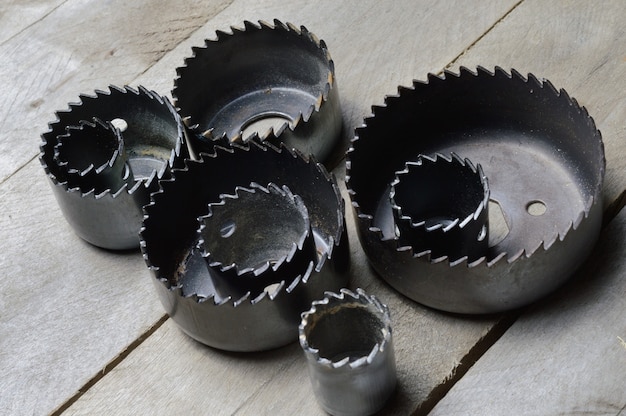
(16, 16)
(67, 308)
(77, 48)
(566, 356)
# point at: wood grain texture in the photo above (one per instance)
(67, 308)
(81, 46)
(17, 15)
(578, 46)
(566, 356)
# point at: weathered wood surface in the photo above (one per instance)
(61, 319)
(428, 346)
(76, 48)
(67, 308)
(16, 16)
(566, 355)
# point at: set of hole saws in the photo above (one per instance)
(242, 226)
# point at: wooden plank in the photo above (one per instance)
(78, 47)
(67, 308)
(15, 17)
(578, 46)
(565, 356)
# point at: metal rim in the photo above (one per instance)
(168, 236)
(276, 80)
(478, 115)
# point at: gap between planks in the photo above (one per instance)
(33, 23)
(110, 366)
(456, 58)
(18, 169)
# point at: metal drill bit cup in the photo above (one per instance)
(93, 156)
(440, 204)
(545, 162)
(186, 284)
(255, 229)
(347, 342)
(154, 143)
(256, 238)
(277, 81)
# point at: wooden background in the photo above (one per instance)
(81, 330)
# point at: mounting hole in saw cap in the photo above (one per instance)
(227, 228)
(120, 124)
(536, 208)
(262, 124)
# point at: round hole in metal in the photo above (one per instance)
(227, 228)
(120, 124)
(536, 208)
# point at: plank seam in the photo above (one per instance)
(612, 210)
(18, 169)
(226, 6)
(466, 50)
(472, 356)
(33, 23)
(110, 366)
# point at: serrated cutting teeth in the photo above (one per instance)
(256, 242)
(249, 291)
(347, 340)
(544, 159)
(93, 157)
(104, 156)
(440, 204)
(277, 81)
(256, 230)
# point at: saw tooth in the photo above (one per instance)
(580, 149)
(93, 115)
(290, 26)
(464, 71)
(532, 79)
(312, 113)
(336, 356)
(230, 176)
